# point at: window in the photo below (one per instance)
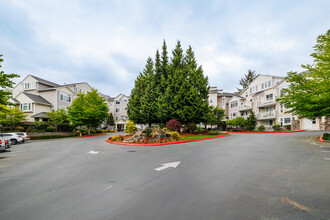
(32, 85)
(269, 122)
(242, 113)
(26, 107)
(281, 122)
(314, 122)
(117, 110)
(269, 83)
(211, 100)
(117, 102)
(250, 100)
(282, 108)
(287, 120)
(66, 97)
(256, 87)
(223, 98)
(269, 97)
(117, 118)
(246, 94)
(262, 85)
(250, 89)
(233, 104)
(265, 85)
(293, 118)
(125, 100)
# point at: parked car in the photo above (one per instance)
(4, 144)
(12, 137)
(24, 136)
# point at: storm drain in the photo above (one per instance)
(130, 151)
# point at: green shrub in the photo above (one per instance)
(276, 127)
(191, 127)
(50, 129)
(326, 136)
(40, 125)
(148, 131)
(29, 129)
(65, 126)
(288, 127)
(175, 135)
(213, 132)
(41, 131)
(261, 128)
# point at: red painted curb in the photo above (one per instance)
(92, 136)
(158, 144)
(268, 132)
(321, 138)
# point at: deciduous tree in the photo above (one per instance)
(308, 94)
(88, 109)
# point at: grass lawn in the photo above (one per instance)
(188, 138)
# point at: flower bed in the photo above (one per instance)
(146, 141)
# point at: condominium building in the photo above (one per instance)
(260, 97)
(36, 96)
(118, 107)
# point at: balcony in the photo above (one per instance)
(266, 115)
(266, 104)
(242, 108)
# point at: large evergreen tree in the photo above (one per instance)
(246, 80)
(170, 90)
(309, 92)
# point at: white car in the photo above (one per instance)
(24, 136)
(4, 144)
(13, 137)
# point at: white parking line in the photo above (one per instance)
(327, 158)
(326, 151)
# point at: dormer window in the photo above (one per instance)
(117, 102)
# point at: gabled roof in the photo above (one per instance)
(37, 99)
(40, 115)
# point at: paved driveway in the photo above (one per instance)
(245, 176)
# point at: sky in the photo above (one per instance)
(106, 43)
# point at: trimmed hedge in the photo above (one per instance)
(51, 136)
(326, 136)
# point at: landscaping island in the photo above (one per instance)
(158, 136)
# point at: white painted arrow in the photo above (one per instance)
(167, 165)
(93, 152)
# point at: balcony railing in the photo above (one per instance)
(266, 115)
(244, 107)
(267, 103)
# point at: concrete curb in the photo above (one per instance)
(268, 132)
(92, 136)
(158, 144)
(321, 138)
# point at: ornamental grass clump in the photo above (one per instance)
(175, 135)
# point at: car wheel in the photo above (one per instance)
(13, 141)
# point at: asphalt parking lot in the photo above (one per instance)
(244, 176)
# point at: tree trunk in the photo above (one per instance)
(149, 124)
(89, 130)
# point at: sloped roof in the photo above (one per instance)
(40, 115)
(37, 98)
(45, 81)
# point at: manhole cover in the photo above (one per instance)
(130, 151)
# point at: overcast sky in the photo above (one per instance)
(106, 43)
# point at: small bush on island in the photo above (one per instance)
(213, 132)
(326, 136)
(50, 129)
